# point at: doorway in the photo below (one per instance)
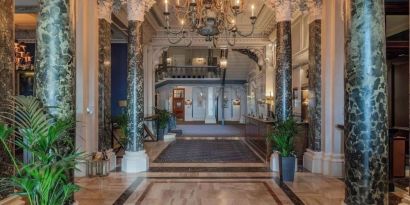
(178, 103)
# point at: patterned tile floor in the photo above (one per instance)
(210, 183)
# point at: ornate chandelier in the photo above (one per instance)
(209, 18)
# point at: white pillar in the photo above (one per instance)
(86, 27)
(210, 110)
(330, 160)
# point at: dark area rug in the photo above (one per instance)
(207, 151)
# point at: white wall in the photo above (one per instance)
(198, 95)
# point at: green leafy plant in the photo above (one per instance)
(122, 121)
(282, 137)
(163, 119)
(44, 179)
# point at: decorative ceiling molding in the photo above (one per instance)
(256, 54)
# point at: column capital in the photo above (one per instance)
(283, 10)
(137, 8)
(315, 10)
(105, 9)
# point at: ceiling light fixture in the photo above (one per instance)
(208, 18)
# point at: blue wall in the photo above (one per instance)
(118, 76)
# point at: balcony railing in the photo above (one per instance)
(190, 72)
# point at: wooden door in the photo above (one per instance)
(178, 103)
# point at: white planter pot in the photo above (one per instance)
(113, 162)
(274, 162)
(169, 137)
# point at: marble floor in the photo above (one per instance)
(210, 184)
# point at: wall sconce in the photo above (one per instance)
(169, 61)
(223, 63)
(122, 103)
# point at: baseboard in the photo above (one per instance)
(324, 163)
(333, 165)
(312, 161)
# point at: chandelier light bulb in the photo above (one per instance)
(237, 2)
(166, 6)
(177, 2)
(253, 10)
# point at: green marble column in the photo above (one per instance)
(283, 86)
(135, 91)
(104, 74)
(55, 74)
(6, 74)
(366, 136)
(315, 76)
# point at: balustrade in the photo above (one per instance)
(193, 72)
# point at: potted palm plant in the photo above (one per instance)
(163, 120)
(45, 178)
(282, 138)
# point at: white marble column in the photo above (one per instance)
(210, 108)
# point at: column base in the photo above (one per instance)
(210, 120)
(324, 163)
(312, 161)
(134, 162)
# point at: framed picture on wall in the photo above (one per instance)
(25, 83)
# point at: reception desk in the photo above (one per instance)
(258, 128)
(256, 132)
